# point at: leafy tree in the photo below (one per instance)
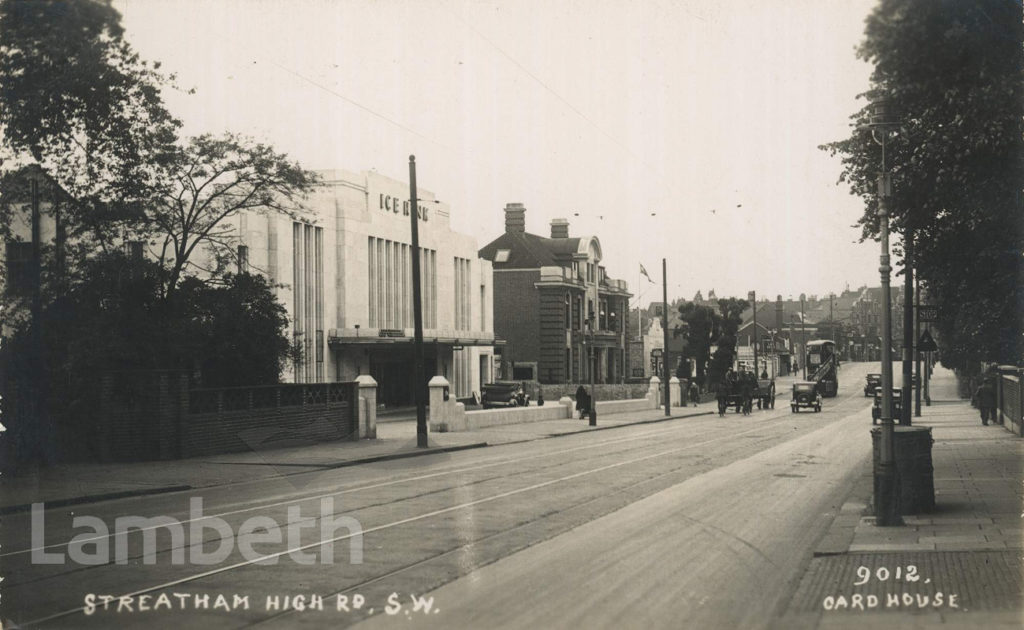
(731, 314)
(702, 328)
(953, 72)
(208, 183)
(77, 100)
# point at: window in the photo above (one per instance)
(502, 255)
(19, 267)
(568, 316)
(243, 259)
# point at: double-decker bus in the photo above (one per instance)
(821, 362)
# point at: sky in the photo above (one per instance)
(677, 129)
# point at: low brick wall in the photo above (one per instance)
(620, 391)
(156, 415)
(515, 415)
(258, 418)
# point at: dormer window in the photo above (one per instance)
(501, 255)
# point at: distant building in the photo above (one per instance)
(554, 303)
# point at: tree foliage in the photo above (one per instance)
(706, 327)
(209, 182)
(79, 101)
(81, 108)
(953, 72)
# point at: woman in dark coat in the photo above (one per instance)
(582, 401)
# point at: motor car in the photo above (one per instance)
(897, 405)
(805, 395)
(504, 394)
(872, 382)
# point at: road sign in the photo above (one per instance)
(927, 313)
(926, 343)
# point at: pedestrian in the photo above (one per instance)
(764, 375)
(582, 401)
(694, 393)
(986, 396)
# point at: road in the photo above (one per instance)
(704, 522)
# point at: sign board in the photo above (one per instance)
(657, 352)
(927, 313)
(391, 332)
(926, 343)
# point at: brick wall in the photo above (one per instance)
(517, 313)
(260, 418)
(156, 416)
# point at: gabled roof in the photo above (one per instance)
(529, 251)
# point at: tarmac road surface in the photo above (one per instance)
(697, 522)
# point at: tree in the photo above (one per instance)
(210, 181)
(953, 72)
(702, 328)
(731, 313)
(77, 100)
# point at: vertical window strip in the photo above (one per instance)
(381, 263)
(310, 306)
(297, 293)
(389, 264)
(371, 274)
(319, 315)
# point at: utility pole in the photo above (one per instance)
(757, 335)
(803, 337)
(917, 353)
(417, 311)
(664, 330)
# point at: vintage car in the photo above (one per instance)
(805, 394)
(872, 382)
(504, 394)
(765, 394)
(897, 405)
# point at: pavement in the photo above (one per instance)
(960, 565)
(80, 483)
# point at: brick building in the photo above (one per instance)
(553, 303)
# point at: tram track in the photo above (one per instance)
(763, 424)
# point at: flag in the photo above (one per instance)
(645, 274)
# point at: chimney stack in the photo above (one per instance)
(559, 228)
(779, 313)
(515, 218)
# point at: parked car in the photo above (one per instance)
(805, 394)
(504, 394)
(872, 383)
(897, 404)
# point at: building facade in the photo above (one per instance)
(344, 272)
(562, 318)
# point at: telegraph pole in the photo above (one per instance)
(664, 330)
(417, 313)
(908, 327)
(757, 335)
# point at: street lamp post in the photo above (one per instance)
(886, 512)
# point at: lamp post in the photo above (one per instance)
(882, 125)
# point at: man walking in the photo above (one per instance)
(986, 396)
